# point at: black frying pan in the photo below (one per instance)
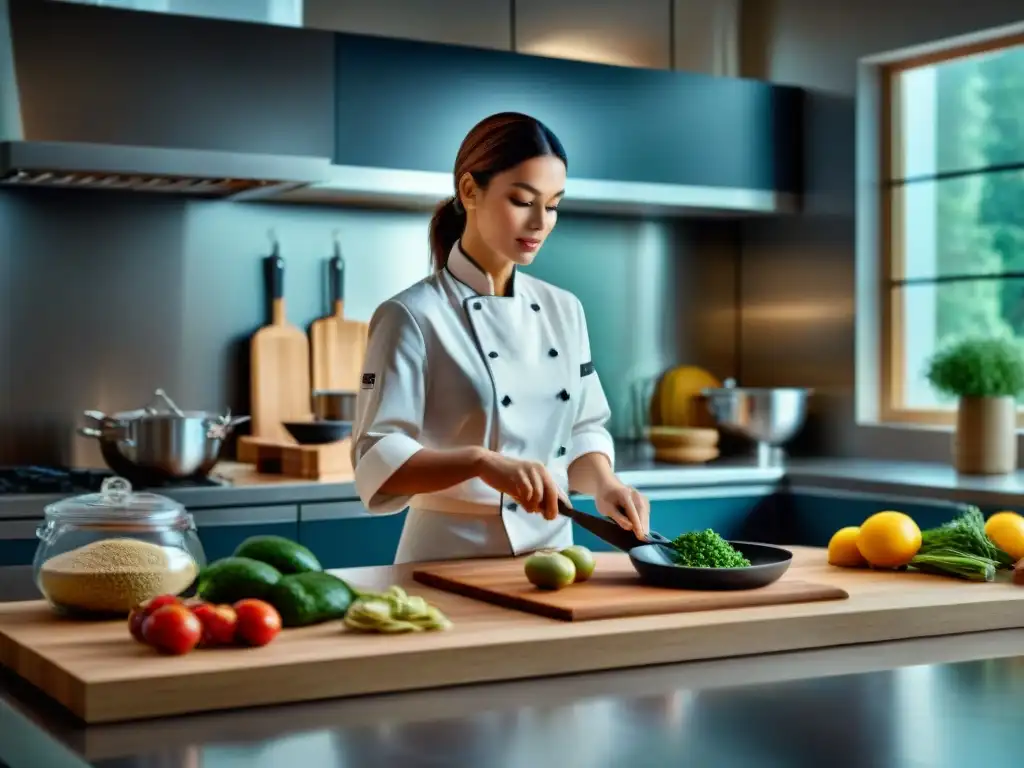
(653, 561)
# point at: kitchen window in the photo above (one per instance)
(951, 222)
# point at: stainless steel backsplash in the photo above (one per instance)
(104, 297)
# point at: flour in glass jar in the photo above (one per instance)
(115, 575)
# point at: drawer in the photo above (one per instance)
(344, 535)
(18, 542)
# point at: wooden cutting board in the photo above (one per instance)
(339, 345)
(614, 591)
(96, 671)
(279, 374)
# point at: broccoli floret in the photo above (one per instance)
(706, 549)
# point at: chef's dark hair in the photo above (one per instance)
(494, 145)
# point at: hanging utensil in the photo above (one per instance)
(279, 375)
(339, 344)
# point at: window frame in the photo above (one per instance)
(890, 262)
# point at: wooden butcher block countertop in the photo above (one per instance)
(99, 673)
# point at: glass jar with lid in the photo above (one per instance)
(101, 554)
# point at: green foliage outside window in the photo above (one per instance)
(980, 122)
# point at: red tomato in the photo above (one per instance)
(258, 622)
(140, 613)
(218, 623)
(172, 629)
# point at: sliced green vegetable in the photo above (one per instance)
(394, 611)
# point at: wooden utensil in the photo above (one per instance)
(614, 591)
(339, 345)
(279, 377)
(683, 445)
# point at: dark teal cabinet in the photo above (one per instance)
(18, 542)
(343, 535)
(674, 513)
(814, 516)
(353, 542)
(222, 530)
(623, 124)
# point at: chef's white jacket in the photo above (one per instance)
(449, 364)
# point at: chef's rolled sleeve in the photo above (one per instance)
(590, 433)
(389, 410)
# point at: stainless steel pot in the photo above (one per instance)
(153, 445)
(334, 405)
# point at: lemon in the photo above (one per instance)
(842, 548)
(889, 539)
(1006, 531)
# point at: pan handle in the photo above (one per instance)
(602, 527)
(610, 531)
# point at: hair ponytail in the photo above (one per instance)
(495, 144)
(446, 228)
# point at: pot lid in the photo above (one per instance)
(116, 502)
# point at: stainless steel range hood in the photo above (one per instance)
(94, 98)
(198, 173)
(120, 119)
(423, 190)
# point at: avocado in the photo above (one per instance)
(310, 598)
(236, 578)
(284, 554)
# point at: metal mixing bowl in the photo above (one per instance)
(769, 416)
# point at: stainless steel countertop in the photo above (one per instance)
(635, 465)
(922, 479)
(915, 703)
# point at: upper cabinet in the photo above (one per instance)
(286, 13)
(481, 23)
(690, 35)
(635, 33)
(632, 134)
(706, 36)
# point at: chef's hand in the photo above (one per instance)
(528, 482)
(625, 505)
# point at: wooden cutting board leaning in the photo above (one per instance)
(339, 344)
(280, 386)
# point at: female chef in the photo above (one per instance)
(479, 405)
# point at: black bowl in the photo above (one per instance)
(318, 432)
(767, 564)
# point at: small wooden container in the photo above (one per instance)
(310, 462)
(684, 445)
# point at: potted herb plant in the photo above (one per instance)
(986, 375)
